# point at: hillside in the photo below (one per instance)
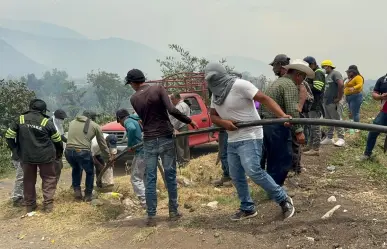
(79, 56)
(41, 28)
(15, 63)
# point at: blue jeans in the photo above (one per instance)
(81, 160)
(223, 137)
(163, 147)
(354, 102)
(277, 143)
(381, 119)
(244, 158)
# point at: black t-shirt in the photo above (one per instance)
(381, 85)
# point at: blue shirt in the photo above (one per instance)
(133, 132)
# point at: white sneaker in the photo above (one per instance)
(326, 141)
(340, 142)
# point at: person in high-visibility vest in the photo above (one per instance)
(38, 144)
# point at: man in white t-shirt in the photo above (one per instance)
(107, 178)
(233, 101)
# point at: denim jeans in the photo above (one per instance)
(354, 102)
(223, 137)
(163, 147)
(277, 143)
(381, 119)
(244, 158)
(80, 160)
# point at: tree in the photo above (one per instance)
(72, 98)
(14, 100)
(109, 89)
(261, 82)
(186, 63)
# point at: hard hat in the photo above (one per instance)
(327, 63)
(310, 60)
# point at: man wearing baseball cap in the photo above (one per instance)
(317, 85)
(152, 104)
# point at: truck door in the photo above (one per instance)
(199, 114)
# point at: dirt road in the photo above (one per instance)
(360, 222)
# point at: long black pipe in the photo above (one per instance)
(303, 121)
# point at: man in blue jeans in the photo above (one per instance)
(380, 94)
(233, 101)
(82, 130)
(152, 104)
(226, 179)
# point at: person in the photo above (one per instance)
(332, 96)
(107, 179)
(152, 104)
(58, 120)
(78, 152)
(17, 192)
(182, 143)
(278, 64)
(225, 180)
(285, 92)
(353, 91)
(36, 141)
(134, 135)
(232, 102)
(317, 85)
(380, 94)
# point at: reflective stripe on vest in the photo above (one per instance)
(44, 122)
(21, 119)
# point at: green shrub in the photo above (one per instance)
(5, 158)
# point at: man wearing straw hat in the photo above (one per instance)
(278, 138)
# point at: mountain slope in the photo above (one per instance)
(41, 28)
(15, 63)
(79, 56)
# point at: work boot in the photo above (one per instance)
(48, 208)
(18, 202)
(151, 221)
(78, 194)
(174, 216)
(88, 197)
(31, 208)
(224, 181)
(287, 207)
(312, 153)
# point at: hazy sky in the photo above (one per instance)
(346, 31)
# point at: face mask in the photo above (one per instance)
(59, 121)
(324, 71)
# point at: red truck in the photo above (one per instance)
(192, 87)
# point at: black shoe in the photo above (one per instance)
(287, 207)
(78, 194)
(242, 215)
(151, 221)
(174, 216)
(88, 197)
(19, 203)
(222, 181)
(31, 208)
(48, 208)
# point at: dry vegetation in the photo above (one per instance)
(359, 223)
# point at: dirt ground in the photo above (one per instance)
(360, 222)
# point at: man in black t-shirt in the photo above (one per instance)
(380, 94)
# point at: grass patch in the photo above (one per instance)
(144, 234)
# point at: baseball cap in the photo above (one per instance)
(134, 76)
(38, 105)
(90, 114)
(60, 114)
(121, 113)
(310, 60)
(112, 140)
(283, 58)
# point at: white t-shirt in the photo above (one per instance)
(95, 150)
(239, 106)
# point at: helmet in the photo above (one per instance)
(327, 63)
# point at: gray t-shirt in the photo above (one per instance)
(331, 88)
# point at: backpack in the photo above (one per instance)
(309, 98)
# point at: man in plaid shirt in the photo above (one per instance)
(278, 138)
